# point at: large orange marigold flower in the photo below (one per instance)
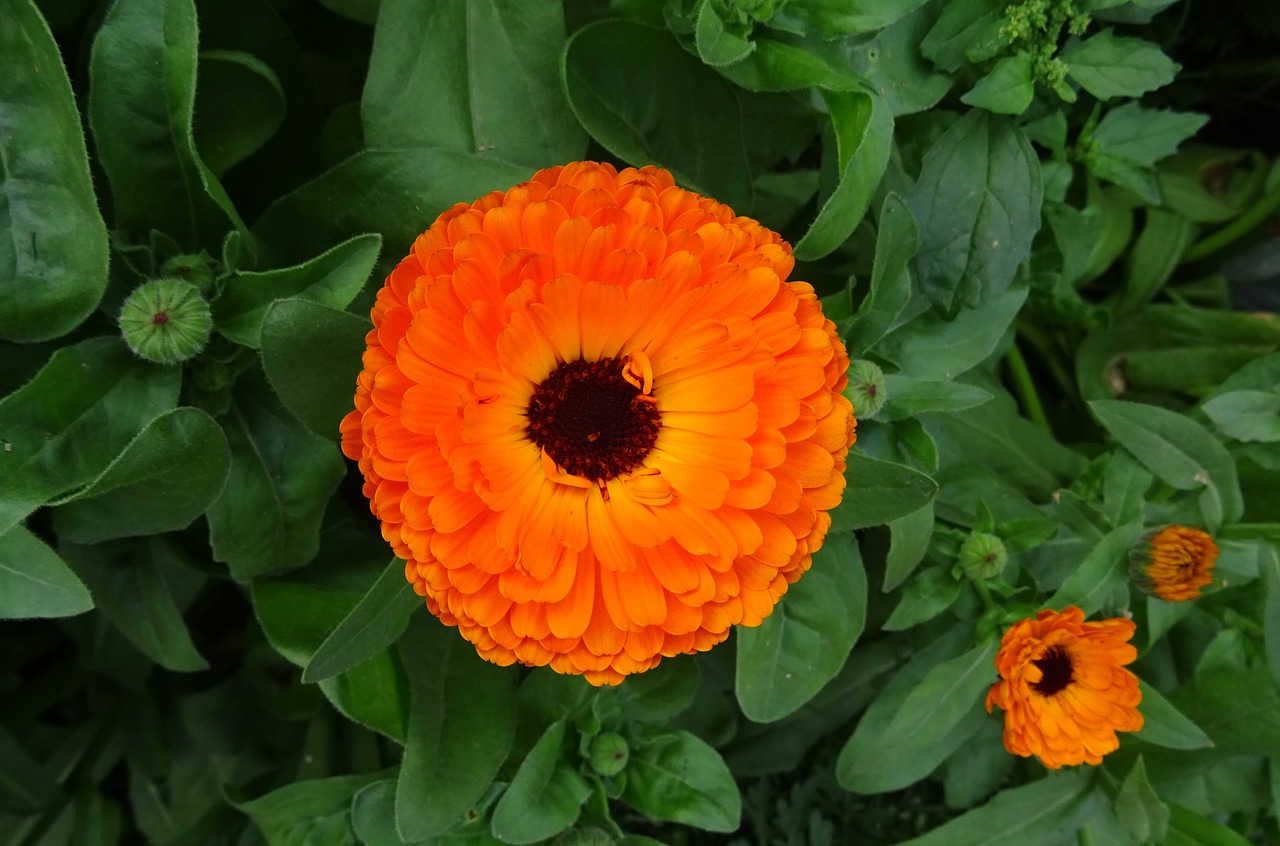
(597, 423)
(1176, 562)
(1064, 689)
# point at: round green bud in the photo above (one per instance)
(166, 321)
(609, 753)
(866, 389)
(196, 268)
(982, 556)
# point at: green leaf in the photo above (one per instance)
(834, 18)
(1164, 725)
(332, 278)
(1103, 575)
(1139, 807)
(313, 812)
(162, 481)
(778, 66)
(129, 588)
(1187, 828)
(879, 491)
(267, 518)
(461, 726)
(364, 11)
(26, 786)
(449, 74)
(1008, 89)
(934, 347)
(958, 27)
(53, 243)
(34, 581)
(1239, 709)
(240, 104)
(1154, 257)
(787, 659)
(1030, 815)
(977, 204)
(545, 797)
(917, 721)
(1246, 415)
(677, 777)
(394, 192)
(909, 538)
(1177, 450)
(892, 63)
(660, 694)
(927, 595)
(716, 44)
(1269, 564)
(142, 74)
(1107, 66)
(64, 427)
(864, 134)
(375, 623)
(1144, 136)
(890, 289)
(619, 77)
(906, 396)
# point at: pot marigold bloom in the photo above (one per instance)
(1064, 689)
(597, 423)
(1176, 562)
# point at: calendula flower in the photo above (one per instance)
(1175, 563)
(597, 422)
(1064, 689)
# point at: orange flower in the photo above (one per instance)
(1064, 689)
(1178, 562)
(597, 423)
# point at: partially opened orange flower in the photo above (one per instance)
(597, 422)
(1176, 562)
(1064, 689)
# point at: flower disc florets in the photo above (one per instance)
(596, 421)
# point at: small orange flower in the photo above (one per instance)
(1064, 689)
(1179, 561)
(598, 423)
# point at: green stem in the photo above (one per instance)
(1085, 837)
(1048, 355)
(1252, 218)
(985, 595)
(1250, 531)
(1025, 388)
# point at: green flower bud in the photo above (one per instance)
(166, 321)
(982, 556)
(609, 753)
(190, 267)
(867, 389)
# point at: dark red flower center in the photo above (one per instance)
(1055, 669)
(592, 421)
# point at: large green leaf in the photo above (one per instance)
(878, 492)
(1177, 450)
(977, 204)
(1107, 66)
(53, 243)
(676, 776)
(787, 659)
(267, 518)
(142, 93)
(162, 481)
(892, 63)
(461, 725)
(620, 78)
(448, 74)
(35, 582)
(545, 797)
(381, 616)
(332, 278)
(1239, 709)
(1164, 725)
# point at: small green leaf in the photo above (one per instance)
(907, 396)
(717, 44)
(864, 134)
(1103, 575)
(890, 289)
(1139, 807)
(375, 623)
(1008, 89)
(927, 595)
(461, 726)
(677, 777)
(1187, 828)
(1107, 66)
(545, 797)
(834, 18)
(1144, 136)
(892, 63)
(658, 695)
(446, 74)
(977, 204)
(26, 786)
(1164, 725)
(312, 354)
(35, 582)
(1246, 415)
(909, 538)
(316, 812)
(927, 710)
(332, 278)
(53, 243)
(240, 105)
(786, 660)
(879, 491)
(162, 481)
(958, 27)
(1177, 450)
(1154, 257)
(619, 77)
(1269, 564)
(934, 347)
(1239, 709)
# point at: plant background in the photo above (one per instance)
(1049, 234)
